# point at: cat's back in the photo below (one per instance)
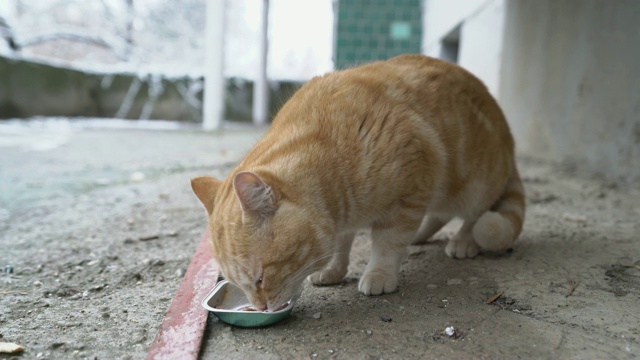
(419, 83)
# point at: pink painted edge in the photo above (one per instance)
(180, 335)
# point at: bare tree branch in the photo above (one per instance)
(7, 34)
(77, 36)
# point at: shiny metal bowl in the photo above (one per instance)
(227, 302)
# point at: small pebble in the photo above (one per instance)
(171, 233)
(137, 176)
(454, 281)
(97, 287)
(368, 332)
(85, 293)
(105, 315)
(179, 272)
(56, 344)
(102, 181)
(8, 269)
(317, 315)
(385, 318)
(449, 330)
(37, 283)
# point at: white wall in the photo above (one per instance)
(571, 82)
(442, 16)
(481, 44)
(481, 25)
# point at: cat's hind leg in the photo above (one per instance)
(338, 266)
(462, 245)
(430, 226)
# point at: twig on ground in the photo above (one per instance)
(12, 292)
(635, 266)
(573, 284)
(495, 297)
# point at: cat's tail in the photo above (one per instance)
(498, 228)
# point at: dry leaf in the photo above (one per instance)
(494, 297)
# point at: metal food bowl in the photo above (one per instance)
(227, 302)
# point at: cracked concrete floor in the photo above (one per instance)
(79, 279)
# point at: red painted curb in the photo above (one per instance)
(180, 335)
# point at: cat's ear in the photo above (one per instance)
(205, 188)
(254, 195)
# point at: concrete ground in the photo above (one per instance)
(98, 224)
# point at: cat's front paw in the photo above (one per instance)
(462, 248)
(328, 276)
(378, 282)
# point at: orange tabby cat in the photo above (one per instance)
(379, 146)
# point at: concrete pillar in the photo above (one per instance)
(570, 82)
(214, 76)
(260, 85)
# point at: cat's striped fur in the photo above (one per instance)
(380, 146)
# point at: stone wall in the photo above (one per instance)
(30, 89)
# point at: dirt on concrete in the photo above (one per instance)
(97, 227)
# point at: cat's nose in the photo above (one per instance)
(263, 308)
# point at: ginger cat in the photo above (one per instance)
(379, 146)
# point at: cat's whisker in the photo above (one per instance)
(301, 273)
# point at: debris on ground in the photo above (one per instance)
(452, 332)
(634, 266)
(10, 348)
(573, 284)
(386, 318)
(149, 237)
(574, 218)
(137, 176)
(495, 297)
(317, 315)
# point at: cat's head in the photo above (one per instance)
(264, 242)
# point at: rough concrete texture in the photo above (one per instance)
(570, 82)
(99, 228)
